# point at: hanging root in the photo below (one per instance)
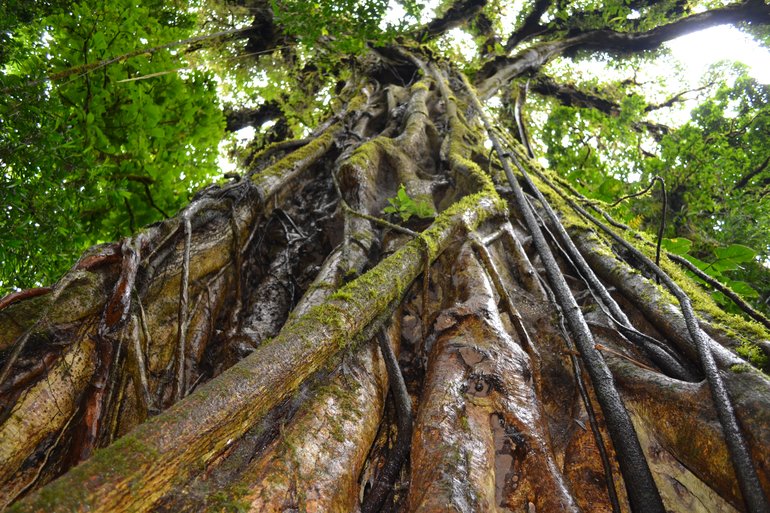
(116, 310)
(519, 114)
(489, 266)
(743, 305)
(664, 357)
(588, 405)
(179, 379)
(664, 207)
(424, 306)
(237, 262)
(138, 364)
(642, 491)
(399, 452)
(748, 479)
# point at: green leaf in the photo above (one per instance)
(725, 264)
(736, 252)
(609, 189)
(406, 207)
(700, 264)
(743, 288)
(677, 246)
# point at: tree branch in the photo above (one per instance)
(590, 18)
(571, 96)
(152, 203)
(530, 27)
(749, 11)
(238, 119)
(676, 98)
(754, 172)
(86, 68)
(460, 12)
(502, 70)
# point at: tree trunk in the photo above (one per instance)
(226, 359)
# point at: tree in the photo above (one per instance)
(88, 157)
(238, 355)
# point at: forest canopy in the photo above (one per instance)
(115, 113)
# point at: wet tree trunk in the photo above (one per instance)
(227, 358)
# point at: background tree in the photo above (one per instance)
(89, 156)
(224, 358)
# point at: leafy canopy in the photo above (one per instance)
(98, 154)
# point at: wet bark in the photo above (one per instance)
(226, 359)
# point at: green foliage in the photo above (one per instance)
(725, 260)
(678, 246)
(715, 167)
(17, 13)
(346, 26)
(406, 207)
(94, 156)
(591, 149)
(754, 354)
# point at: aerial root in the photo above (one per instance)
(479, 430)
(389, 473)
(518, 323)
(747, 476)
(347, 406)
(21, 295)
(753, 494)
(519, 115)
(97, 400)
(591, 414)
(179, 384)
(22, 378)
(138, 366)
(642, 491)
(663, 356)
(743, 305)
(526, 269)
(237, 264)
(664, 208)
(525, 272)
(116, 310)
(107, 387)
(424, 306)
